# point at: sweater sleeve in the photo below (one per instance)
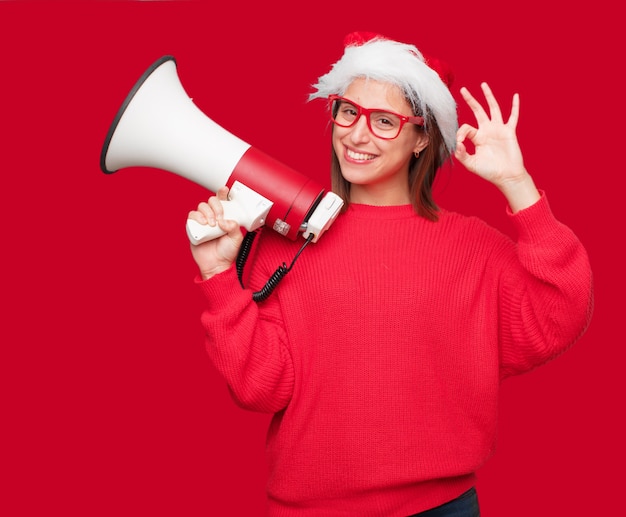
(247, 343)
(546, 304)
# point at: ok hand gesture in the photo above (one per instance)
(497, 156)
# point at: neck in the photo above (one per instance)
(371, 195)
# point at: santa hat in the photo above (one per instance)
(425, 82)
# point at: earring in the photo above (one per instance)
(416, 154)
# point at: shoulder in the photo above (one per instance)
(469, 228)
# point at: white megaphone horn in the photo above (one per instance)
(159, 126)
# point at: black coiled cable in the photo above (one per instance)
(279, 274)
(242, 256)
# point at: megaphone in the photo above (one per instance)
(159, 126)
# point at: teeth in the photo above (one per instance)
(359, 156)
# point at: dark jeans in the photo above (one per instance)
(466, 505)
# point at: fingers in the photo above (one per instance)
(494, 107)
(460, 151)
(474, 105)
(211, 212)
(495, 113)
(514, 111)
(479, 112)
(222, 193)
(465, 132)
(198, 215)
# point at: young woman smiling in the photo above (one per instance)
(381, 354)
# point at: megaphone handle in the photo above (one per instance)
(244, 205)
(199, 233)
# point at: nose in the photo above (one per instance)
(360, 132)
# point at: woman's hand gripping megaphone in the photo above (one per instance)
(216, 254)
(241, 204)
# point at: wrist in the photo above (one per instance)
(520, 192)
(209, 273)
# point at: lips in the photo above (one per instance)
(359, 157)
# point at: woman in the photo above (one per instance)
(381, 353)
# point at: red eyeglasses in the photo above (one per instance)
(383, 124)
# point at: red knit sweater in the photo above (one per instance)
(381, 352)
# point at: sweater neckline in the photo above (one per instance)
(363, 211)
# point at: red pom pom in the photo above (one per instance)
(358, 38)
(443, 70)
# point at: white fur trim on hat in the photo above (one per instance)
(401, 64)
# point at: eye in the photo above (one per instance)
(385, 121)
(347, 111)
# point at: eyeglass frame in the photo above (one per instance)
(418, 121)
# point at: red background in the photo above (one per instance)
(109, 403)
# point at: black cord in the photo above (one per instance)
(279, 274)
(242, 256)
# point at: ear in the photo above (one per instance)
(421, 142)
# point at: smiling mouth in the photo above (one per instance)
(362, 157)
